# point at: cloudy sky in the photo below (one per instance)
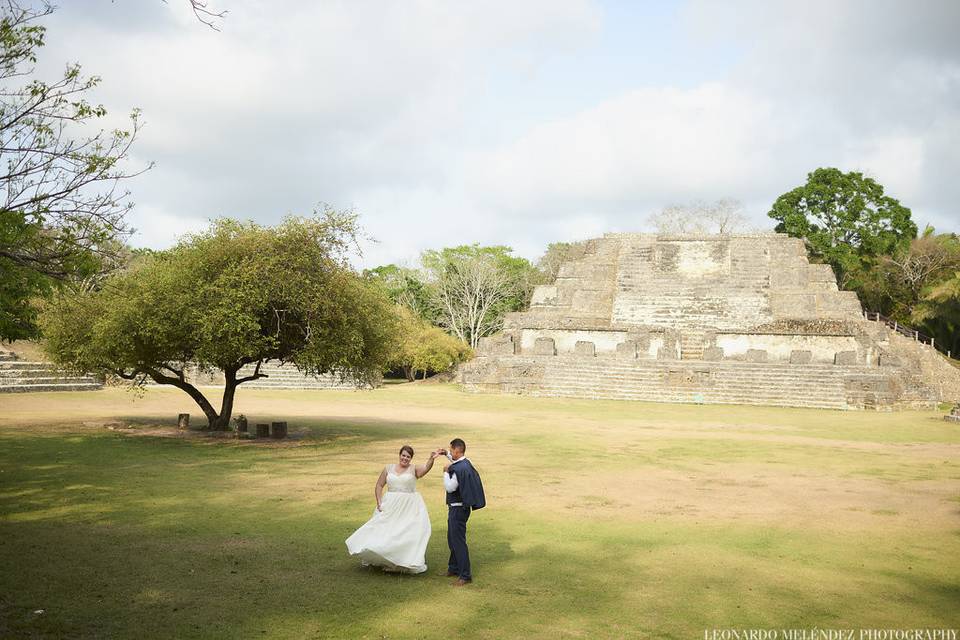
(518, 122)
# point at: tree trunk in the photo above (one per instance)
(409, 373)
(222, 422)
(215, 421)
(181, 383)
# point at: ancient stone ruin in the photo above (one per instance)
(742, 319)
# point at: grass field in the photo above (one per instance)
(605, 519)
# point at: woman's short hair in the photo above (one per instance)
(408, 449)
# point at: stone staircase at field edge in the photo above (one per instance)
(19, 376)
(821, 386)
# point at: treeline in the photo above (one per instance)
(461, 292)
(241, 293)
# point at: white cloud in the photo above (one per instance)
(156, 229)
(862, 86)
(648, 146)
(395, 109)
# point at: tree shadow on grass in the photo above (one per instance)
(315, 429)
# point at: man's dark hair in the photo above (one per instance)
(457, 443)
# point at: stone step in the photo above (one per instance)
(746, 384)
(775, 384)
(47, 380)
(23, 376)
(25, 364)
(68, 386)
(772, 376)
(768, 368)
(28, 371)
(699, 398)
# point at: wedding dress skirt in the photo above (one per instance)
(396, 537)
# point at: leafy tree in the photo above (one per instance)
(899, 282)
(845, 218)
(724, 216)
(62, 215)
(405, 287)
(474, 286)
(938, 312)
(424, 347)
(236, 295)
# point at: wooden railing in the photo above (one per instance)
(906, 331)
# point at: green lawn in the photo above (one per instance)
(605, 519)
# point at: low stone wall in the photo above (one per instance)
(646, 344)
(780, 347)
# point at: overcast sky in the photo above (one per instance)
(518, 122)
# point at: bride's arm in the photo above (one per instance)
(378, 490)
(424, 469)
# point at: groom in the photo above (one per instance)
(464, 493)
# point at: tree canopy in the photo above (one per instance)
(62, 211)
(423, 347)
(917, 286)
(845, 218)
(238, 294)
(405, 287)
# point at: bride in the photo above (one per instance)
(396, 537)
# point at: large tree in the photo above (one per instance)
(474, 286)
(899, 282)
(236, 295)
(938, 313)
(845, 218)
(62, 211)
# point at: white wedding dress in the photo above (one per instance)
(396, 537)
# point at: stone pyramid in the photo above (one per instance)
(743, 319)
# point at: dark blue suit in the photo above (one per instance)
(470, 494)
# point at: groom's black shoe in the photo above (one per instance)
(449, 574)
